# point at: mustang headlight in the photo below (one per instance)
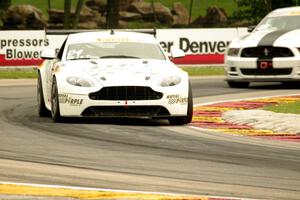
(233, 51)
(170, 81)
(80, 82)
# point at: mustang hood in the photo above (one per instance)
(269, 38)
(119, 72)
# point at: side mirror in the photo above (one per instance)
(177, 53)
(48, 54)
(250, 28)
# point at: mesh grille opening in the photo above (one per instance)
(266, 52)
(271, 72)
(126, 93)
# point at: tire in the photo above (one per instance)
(235, 84)
(55, 113)
(42, 110)
(290, 83)
(188, 118)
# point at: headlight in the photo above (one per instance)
(80, 82)
(170, 81)
(233, 51)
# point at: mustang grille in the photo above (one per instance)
(125, 111)
(266, 52)
(271, 72)
(126, 93)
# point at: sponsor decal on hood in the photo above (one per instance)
(116, 72)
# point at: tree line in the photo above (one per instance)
(255, 10)
(251, 10)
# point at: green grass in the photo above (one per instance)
(204, 71)
(30, 73)
(285, 108)
(18, 74)
(199, 6)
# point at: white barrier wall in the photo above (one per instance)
(202, 46)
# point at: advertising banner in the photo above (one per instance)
(23, 48)
(202, 46)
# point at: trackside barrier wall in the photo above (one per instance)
(202, 46)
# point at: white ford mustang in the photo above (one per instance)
(271, 52)
(113, 74)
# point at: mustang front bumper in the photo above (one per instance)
(252, 69)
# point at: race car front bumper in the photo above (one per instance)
(252, 69)
(173, 102)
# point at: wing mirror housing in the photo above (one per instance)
(48, 54)
(250, 28)
(177, 53)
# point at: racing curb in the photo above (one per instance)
(39, 190)
(209, 117)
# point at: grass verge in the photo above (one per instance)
(204, 71)
(17, 73)
(293, 108)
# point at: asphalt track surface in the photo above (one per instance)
(145, 155)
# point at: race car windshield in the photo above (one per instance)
(279, 23)
(114, 50)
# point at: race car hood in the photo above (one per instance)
(268, 38)
(111, 72)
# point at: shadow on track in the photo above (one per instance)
(115, 121)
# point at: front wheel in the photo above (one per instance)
(235, 84)
(188, 118)
(42, 110)
(55, 113)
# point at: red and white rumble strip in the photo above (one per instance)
(212, 117)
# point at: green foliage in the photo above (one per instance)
(141, 24)
(254, 10)
(285, 108)
(199, 6)
(283, 3)
(43, 4)
(250, 10)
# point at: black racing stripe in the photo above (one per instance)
(270, 38)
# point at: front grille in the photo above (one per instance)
(126, 93)
(126, 111)
(270, 72)
(266, 52)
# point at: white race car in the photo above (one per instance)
(271, 52)
(113, 74)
